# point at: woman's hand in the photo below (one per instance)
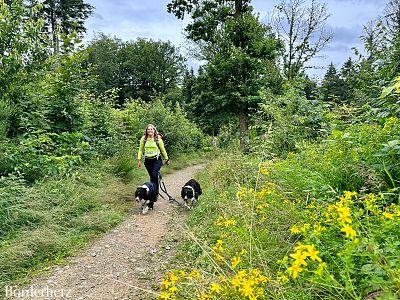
(139, 163)
(167, 162)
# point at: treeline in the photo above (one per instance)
(62, 104)
(254, 77)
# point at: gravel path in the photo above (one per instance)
(126, 263)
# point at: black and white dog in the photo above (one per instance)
(190, 193)
(146, 194)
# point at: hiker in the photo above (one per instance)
(152, 146)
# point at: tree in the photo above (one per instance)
(303, 30)
(333, 87)
(240, 51)
(139, 69)
(349, 74)
(63, 18)
(105, 63)
(391, 18)
(22, 54)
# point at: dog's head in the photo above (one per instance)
(141, 193)
(187, 192)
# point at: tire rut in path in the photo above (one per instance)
(126, 263)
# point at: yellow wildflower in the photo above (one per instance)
(294, 270)
(235, 261)
(348, 195)
(247, 290)
(173, 278)
(298, 255)
(166, 283)
(349, 231)
(294, 229)
(215, 287)
(194, 274)
(165, 295)
(230, 222)
(388, 215)
(204, 296)
(241, 193)
(313, 254)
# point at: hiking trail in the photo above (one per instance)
(127, 262)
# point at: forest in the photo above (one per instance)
(301, 193)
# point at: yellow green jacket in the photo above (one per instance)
(150, 148)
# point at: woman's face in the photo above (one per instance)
(150, 131)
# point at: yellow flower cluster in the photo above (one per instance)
(170, 281)
(218, 250)
(221, 221)
(305, 228)
(263, 193)
(247, 283)
(342, 212)
(263, 168)
(242, 192)
(168, 285)
(301, 257)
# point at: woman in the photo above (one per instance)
(152, 146)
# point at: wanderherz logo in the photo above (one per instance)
(35, 292)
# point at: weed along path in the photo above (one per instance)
(127, 262)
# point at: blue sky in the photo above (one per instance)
(130, 19)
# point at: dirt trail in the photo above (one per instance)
(126, 263)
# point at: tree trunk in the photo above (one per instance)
(243, 122)
(54, 29)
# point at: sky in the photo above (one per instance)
(130, 19)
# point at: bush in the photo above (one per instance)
(180, 135)
(43, 154)
(284, 122)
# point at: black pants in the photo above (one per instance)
(153, 167)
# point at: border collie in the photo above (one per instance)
(190, 193)
(146, 194)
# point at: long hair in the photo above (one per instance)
(145, 134)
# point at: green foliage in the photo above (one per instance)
(284, 122)
(333, 86)
(139, 69)
(293, 223)
(63, 20)
(22, 53)
(42, 154)
(389, 101)
(360, 158)
(240, 54)
(180, 135)
(103, 125)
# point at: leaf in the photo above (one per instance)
(386, 91)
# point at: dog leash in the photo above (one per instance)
(164, 189)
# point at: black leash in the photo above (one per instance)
(163, 188)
